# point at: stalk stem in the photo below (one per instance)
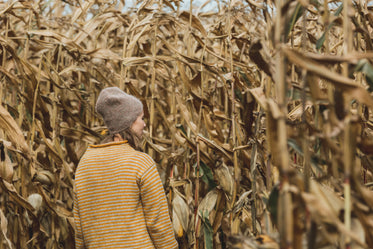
(347, 48)
(196, 196)
(285, 217)
(233, 115)
(152, 101)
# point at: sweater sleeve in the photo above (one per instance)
(79, 243)
(156, 210)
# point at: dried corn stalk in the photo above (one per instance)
(230, 95)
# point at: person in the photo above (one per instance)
(119, 200)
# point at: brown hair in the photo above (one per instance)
(127, 134)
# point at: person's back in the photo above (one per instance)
(119, 200)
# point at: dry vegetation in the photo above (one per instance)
(261, 124)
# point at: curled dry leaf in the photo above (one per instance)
(45, 177)
(242, 201)
(9, 125)
(196, 23)
(4, 229)
(208, 203)
(225, 179)
(297, 112)
(187, 115)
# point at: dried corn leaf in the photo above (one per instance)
(259, 54)
(54, 207)
(352, 89)
(102, 53)
(196, 23)
(52, 34)
(81, 11)
(259, 96)
(77, 134)
(212, 144)
(90, 27)
(325, 208)
(152, 51)
(157, 147)
(8, 8)
(10, 189)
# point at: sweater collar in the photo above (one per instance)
(107, 144)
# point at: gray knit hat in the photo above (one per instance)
(118, 109)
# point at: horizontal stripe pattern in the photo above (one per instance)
(119, 201)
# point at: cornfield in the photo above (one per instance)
(259, 116)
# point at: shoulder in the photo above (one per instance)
(143, 160)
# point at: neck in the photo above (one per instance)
(118, 138)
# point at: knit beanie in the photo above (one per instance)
(118, 109)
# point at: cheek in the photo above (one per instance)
(140, 125)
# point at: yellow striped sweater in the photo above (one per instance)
(119, 200)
